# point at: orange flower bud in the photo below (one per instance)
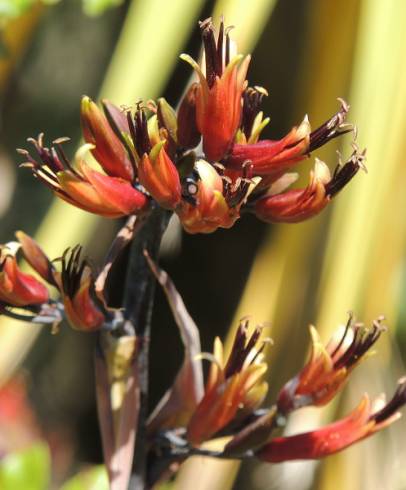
(328, 367)
(218, 94)
(159, 176)
(107, 147)
(16, 287)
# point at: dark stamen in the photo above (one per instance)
(45, 154)
(228, 48)
(331, 129)
(139, 131)
(241, 348)
(220, 42)
(60, 155)
(343, 174)
(46, 175)
(213, 63)
(347, 327)
(235, 362)
(397, 401)
(72, 270)
(252, 99)
(52, 160)
(236, 192)
(363, 340)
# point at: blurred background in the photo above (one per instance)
(351, 257)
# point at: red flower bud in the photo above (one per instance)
(362, 422)
(16, 287)
(107, 147)
(271, 158)
(300, 204)
(37, 259)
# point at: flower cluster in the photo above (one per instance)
(28, 293)
(204, 161)
(235, 390)
(316, 384)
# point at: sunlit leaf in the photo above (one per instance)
(94, 478)
(13, 8)
(28, 469)
(97, 7)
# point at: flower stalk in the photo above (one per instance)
(138, 304)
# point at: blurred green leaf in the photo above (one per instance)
(94, 478)
(14, 8)
(97, 7)
(10, 9)
(29, 469)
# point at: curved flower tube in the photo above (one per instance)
(366, 419)
(297, 205)
(85, 188)
(271, 158)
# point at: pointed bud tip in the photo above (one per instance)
(321, 171)
(85, 102)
